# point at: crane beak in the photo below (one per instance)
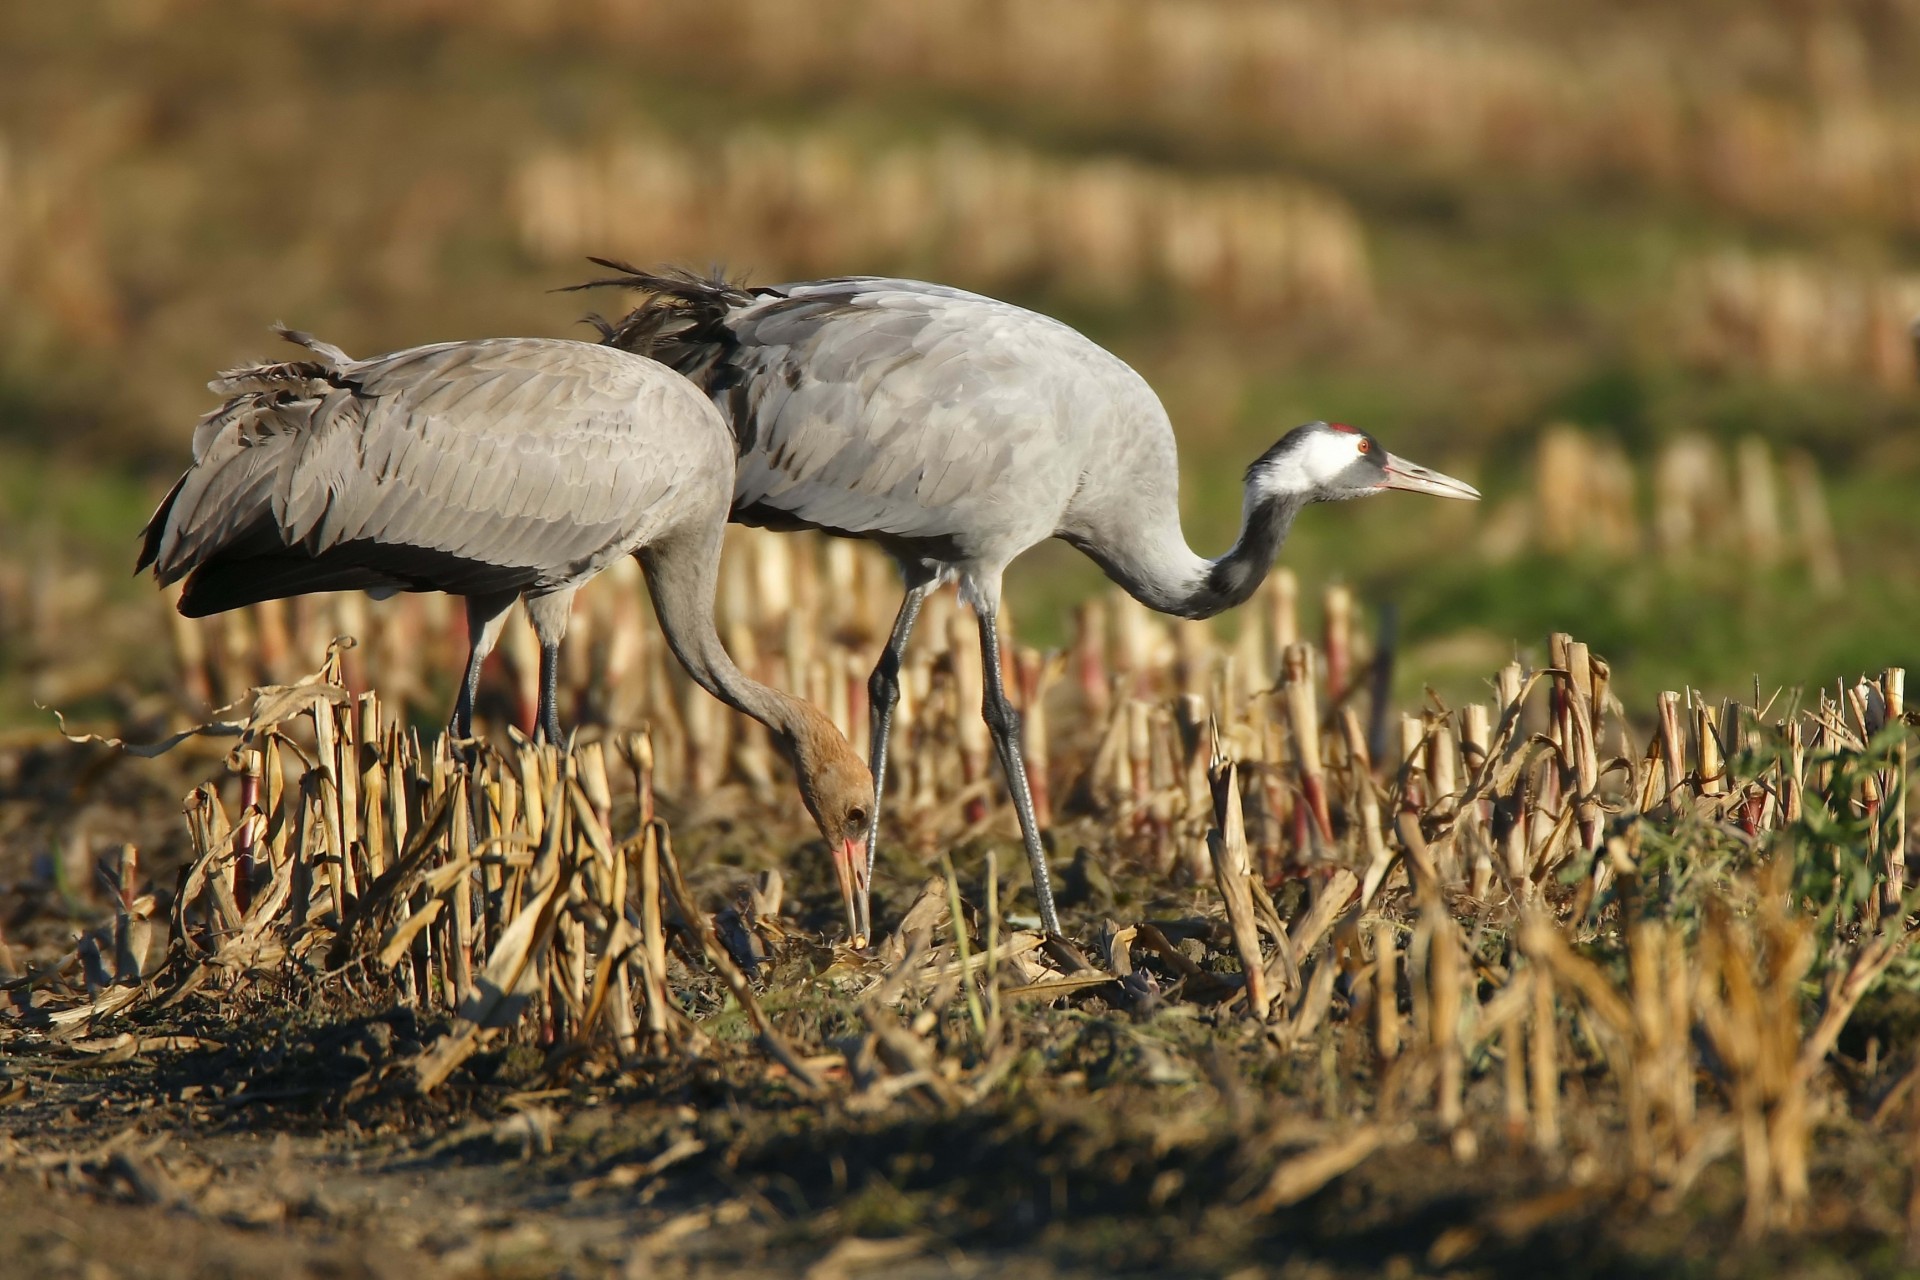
(1402, 474)
(850, 869)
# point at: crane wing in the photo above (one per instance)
(896, 409)
(472, 467)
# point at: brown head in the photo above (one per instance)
(837, 789)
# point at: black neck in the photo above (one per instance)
(1238, 574)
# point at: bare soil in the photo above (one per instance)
(265, 1130)
(265, 1145)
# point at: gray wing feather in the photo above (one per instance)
(545, 458)
(904, 409)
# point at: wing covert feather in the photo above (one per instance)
(902, 409)
(543, 457)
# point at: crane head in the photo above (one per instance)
(1331, 461)
(837, 789)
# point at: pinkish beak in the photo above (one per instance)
(1402, 474)
(850, 869)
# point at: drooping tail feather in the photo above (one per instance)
(156, 528)
(219, 508)
(282, 377)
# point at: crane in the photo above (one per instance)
(495, 469)
(956, 431)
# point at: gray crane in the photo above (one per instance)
(956, 431)
(495, 470)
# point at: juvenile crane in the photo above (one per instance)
(956, 431)
(495, 470)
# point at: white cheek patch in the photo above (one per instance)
(1311, 465)
(1330, 454)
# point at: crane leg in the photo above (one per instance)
(486, 615)
(549, 615)
(883, 695)
(1003, 722)
(550, 695)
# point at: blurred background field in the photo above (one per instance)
(1643, 273)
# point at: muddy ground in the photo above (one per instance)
(1115, 1145)
(265, 1129)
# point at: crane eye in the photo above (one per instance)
(1365, 445)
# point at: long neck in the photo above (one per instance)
(1152, 561)
(683, 575)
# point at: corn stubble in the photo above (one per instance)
(1442, 90)
(1488, 903)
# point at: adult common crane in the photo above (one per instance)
(494, 470)
(957, 431)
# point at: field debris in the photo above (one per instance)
(1634, 948)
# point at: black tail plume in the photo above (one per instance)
(679, 321)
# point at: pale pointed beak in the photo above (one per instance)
(850, 869)
(1402, 474)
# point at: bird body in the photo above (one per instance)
(494, 469)
(957, 431)
(941, 424)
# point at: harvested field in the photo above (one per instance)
(1539, 982)
(1463, 905)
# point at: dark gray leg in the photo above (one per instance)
(485, 616)
(550, 695)
(1004, 724)
(883, 695)
(549, 615)
(461, 726)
